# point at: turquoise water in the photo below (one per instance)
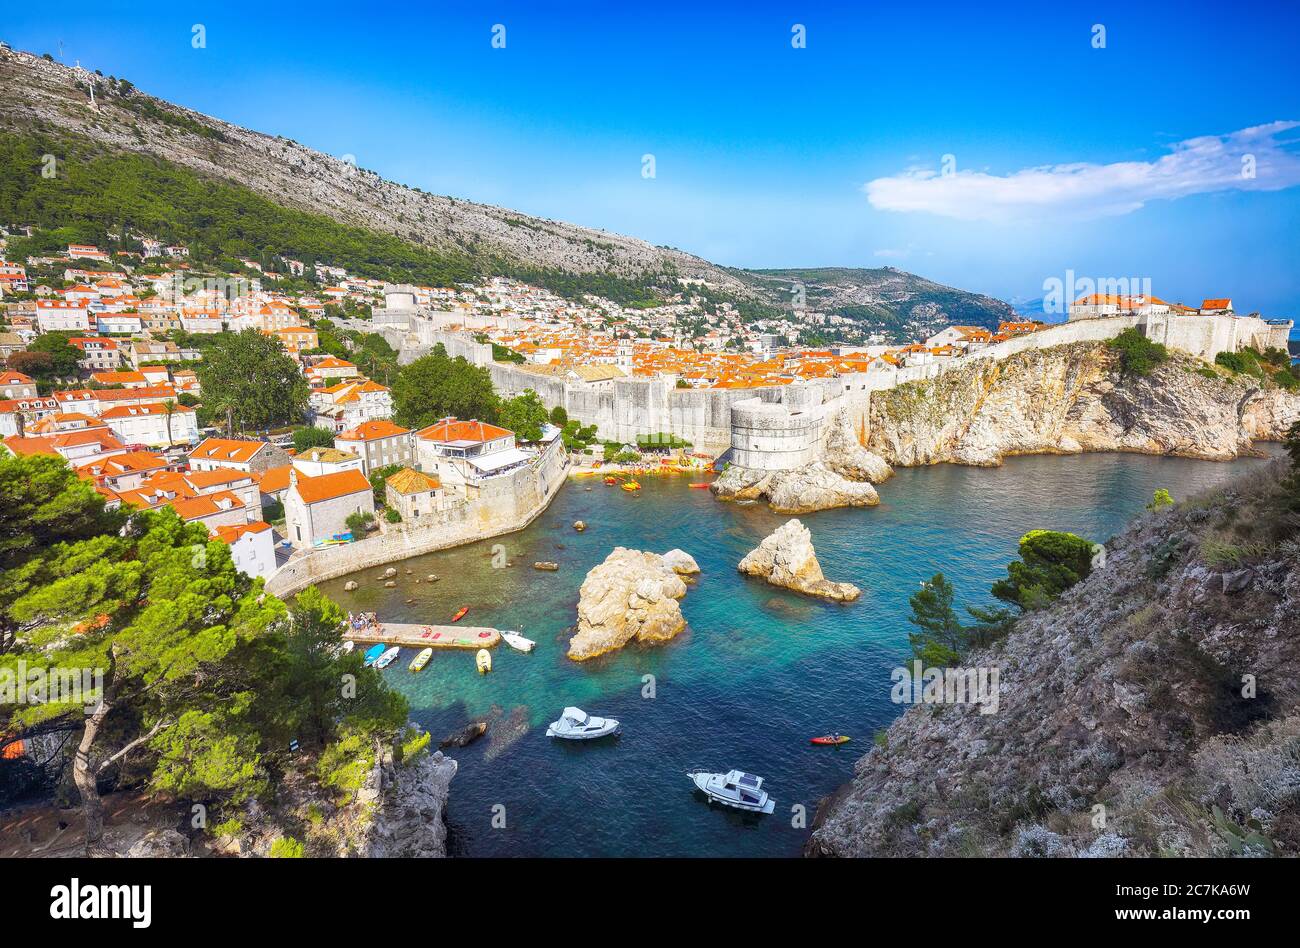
(758, 671)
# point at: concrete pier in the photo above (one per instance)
(426, 636)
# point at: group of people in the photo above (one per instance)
(363, 622)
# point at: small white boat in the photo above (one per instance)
(577, 725)
(518, 642)
(387, 658)
(735, 789)
(348, 646)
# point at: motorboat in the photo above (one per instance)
(735, 788)
(418, 663)
(577, 725)
(484, 661)
(348, 646)
(518, 642)
(387, 658)
(372, 655)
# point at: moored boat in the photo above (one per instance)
(518, 642)
(387, 658)
(418, 663)
(577, 725)
(484, 661)
(348, 646)
(735, 788)
(372, 655)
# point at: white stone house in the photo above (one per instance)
(414, 494)
(462, 452)
(252, 547)
(154, 425)
(316, 509)
(379, 444)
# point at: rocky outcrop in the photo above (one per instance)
(1154, 709)
(681, 563)
(1073, 398)
(630, 596)
(786, 558)
(844, 476)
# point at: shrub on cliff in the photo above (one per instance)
(1050, 563)
(1138, 355)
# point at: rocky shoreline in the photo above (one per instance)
(1074, 398)
(1150, 711)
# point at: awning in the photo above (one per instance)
(500, 460)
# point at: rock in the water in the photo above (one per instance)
(391, 584)
(632, 595)
(786, 558)
(681, 563)
(432, 577)
(549, 566)
(390, 572)
(579, 525)
(350, 585)
(466, 735)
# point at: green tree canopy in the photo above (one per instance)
(1050, 563)
(524, 415)
(435, 386)
(312, 437)
(249, 376)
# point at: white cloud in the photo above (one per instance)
(1082, 190)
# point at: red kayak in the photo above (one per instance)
(460, 614)
(831, 739)
(700, 486)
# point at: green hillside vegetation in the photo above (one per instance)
(95, 192)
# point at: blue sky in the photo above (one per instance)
(767, 155)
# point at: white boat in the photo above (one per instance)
(387, 658)
(735, 789)
(348, 646)
(518, 642)
(577, 725)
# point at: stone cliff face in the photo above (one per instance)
(844, 476)
(1073, 398)
(630, 596)
(1152, 710)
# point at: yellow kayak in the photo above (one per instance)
(418, 663)
(484, 661)
(631, 485)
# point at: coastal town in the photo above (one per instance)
(126, 416)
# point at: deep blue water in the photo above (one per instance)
(756, 674)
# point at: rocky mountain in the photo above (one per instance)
(1074, 398)
(1151, 710)
(889, 299)
(40, 96)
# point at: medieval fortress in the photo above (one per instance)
(777, 428)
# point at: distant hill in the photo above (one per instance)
(884, 296)
(195, 153)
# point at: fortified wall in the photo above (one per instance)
(623, 409)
